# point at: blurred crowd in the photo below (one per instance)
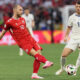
(46, 12)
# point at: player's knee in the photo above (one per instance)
(39, 51)
(64, 55)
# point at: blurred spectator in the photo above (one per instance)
(68, 2)
(22, 2)
(57, 16)
(47, 4)
(46, 12)
(1, 19)
(43, 25)
(51, 27)
(38, 16)
(57, 3)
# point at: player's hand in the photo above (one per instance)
(65, 39)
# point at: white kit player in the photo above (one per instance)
(30, 23)
(74, 42)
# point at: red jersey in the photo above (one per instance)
(18, 30)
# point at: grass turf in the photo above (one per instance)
(15, 67)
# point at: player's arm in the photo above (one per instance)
(5, 29)
(67, 33)
(33, 23)
(2, 33)
(70, 25)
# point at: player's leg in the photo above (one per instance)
(36, 66)
(40, 58)
(65, 53)
(30, 49)
(70, 47)
(21, 52)
(78, 61)
(39, 51)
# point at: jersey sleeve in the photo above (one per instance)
(7, 25)
(70, 22)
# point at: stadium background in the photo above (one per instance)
(50, 18)
(49, 15)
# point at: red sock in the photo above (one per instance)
(36, 66)
(40, 58)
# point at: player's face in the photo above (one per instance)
(78, 8)
(19, 11)
(27, 11)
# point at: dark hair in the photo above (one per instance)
(26, 8)
(78, 2)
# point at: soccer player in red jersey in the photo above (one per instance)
(17, 28)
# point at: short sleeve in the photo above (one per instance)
(70, 22)
(7, 25)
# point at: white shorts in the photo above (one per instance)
(73, 44)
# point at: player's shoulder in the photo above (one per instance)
(73, 15)
(31, 15)
(9, 20)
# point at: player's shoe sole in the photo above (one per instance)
(37, 77)
(48, 64)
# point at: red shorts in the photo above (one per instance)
(28, 45)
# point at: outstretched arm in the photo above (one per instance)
(2, 33)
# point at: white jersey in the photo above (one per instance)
(74, 22)
(29, 18)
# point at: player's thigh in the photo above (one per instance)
(39, 51)
(70, 47)
(37, 47)
(33, 52)
(72, 44)
(66, 52)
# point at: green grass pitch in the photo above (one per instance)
(15, 67)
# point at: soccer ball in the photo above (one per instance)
(70, 69)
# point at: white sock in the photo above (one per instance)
(33, 74)
(78, 61)
(21, 50)
(63, 60)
